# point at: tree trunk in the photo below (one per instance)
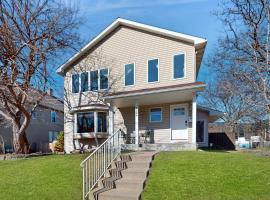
(20, 141)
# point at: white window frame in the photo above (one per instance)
(148, 70)
(150, 119)
(134, 74)
(185, 60)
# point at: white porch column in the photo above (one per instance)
(194, 118)
(111, 120)
(136, 123)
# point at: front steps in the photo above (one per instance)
(127, 180)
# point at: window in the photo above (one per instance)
(178, 111)
(200, 131)
(153, 70)
(129, 74)
(103, 79)
(85, 122)
(94, 80)
(84, 82)
(53, 136)
(75, 83)
(53, 116)
(155, 115)
(102, 122)
(179, 66)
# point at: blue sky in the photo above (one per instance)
(186, 16)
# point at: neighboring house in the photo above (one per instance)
(47, 121)
(156, 90)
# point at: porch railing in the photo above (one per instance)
(96, 164)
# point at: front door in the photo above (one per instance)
(179, 122)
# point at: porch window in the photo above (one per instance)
(129, 74)
(85, 122)
(103, 79)
(179, 66)
(153, 69)
(102, 122)
(84, 82)
(75, 83)
(94, 80)
(155, 115)
(200, 131)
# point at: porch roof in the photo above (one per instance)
(157, 95)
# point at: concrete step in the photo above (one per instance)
(135, 173)
(120, 194)
(130, 183)
(138, 164)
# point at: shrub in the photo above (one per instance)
(59, 145)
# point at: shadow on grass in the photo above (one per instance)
(216, 150)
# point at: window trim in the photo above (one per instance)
(150, 119)
(134, 74)
(185, 61)
(148, 70)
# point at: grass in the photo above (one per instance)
(42, 178)
(209, 176)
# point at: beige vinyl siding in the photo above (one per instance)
(125, 119)
(126, 45)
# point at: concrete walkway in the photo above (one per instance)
(130, 184)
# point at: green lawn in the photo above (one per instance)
(175, 175)
(50, 178)
(209, 176)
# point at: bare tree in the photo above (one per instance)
(32, 35)
(243, 51)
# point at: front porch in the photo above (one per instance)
(156, 120)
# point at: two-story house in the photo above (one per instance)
(148, 82)
(46, 123)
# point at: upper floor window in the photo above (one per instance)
(155, 115)
(94, 80)
(129, 74)
(103, 79)
(75, 83)
(153, 70)
(53, 116)
(84, 82)
(179, 66)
